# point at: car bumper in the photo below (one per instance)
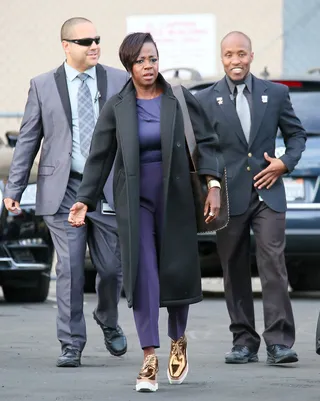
(8, 265)
(22, 274)
(23, 259)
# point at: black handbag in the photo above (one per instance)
(199, 187)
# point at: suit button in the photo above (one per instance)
(178, 144)
(177, 177)
(248, 168)
(249, 154)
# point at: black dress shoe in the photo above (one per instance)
(241, 354)
(281, 354)
(69, 358)
(114, 339)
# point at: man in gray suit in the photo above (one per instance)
(246, 112)
(62, 108)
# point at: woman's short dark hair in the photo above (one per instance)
(131, 46)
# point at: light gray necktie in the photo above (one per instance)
(243, 111)
(85, 115)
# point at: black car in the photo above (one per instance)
(26, 252)
(26, 249)
(302, 192)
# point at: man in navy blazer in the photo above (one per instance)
(247, 112)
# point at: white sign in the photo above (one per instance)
(186, 41)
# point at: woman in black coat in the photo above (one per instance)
(141, 131)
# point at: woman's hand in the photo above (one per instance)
(212, 205)
(77, 214)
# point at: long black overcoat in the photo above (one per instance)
(115, 140)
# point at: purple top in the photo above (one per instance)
(149, 129)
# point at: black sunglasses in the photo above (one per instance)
(85, 41)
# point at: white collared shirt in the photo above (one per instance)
(73, 83)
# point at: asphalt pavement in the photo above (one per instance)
(28, 352)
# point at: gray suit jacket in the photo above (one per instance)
(47, 118)
(272, 109)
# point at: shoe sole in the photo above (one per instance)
(242, 361)
(68, 364)
(112, 352)
(181, 379)
(285, 359)
(146, 387)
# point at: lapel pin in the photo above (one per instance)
(264, 99)
(220, 100)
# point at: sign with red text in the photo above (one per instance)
(185, 41)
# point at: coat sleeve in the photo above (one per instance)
(294, 135)
(27, 146)
(209, 158)
(101, 157)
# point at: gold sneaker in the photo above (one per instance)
(178, 361)
(147, 378)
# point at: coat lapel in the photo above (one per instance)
(127, 128)
(259, 107)
(61, 82)
(228, 108)
(167, 119)
(167, 124)
(102, 85)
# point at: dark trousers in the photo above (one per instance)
(233, 244)
(146, 299)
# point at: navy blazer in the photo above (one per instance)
(272, 109)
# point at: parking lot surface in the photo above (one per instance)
(28, 352)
